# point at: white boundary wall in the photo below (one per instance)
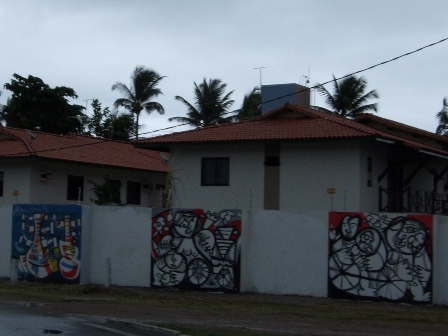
(120, 246)
(285, 253)
(5, 240)
(440, 260)
(281, 252)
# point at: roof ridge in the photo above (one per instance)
(5, 130)
(32, 130)
(338, 119)
(198, 129)
(399, 124)
(74, 135)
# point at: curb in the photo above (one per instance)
(142, 326)
(130, 324)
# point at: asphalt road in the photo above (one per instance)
(20, 320)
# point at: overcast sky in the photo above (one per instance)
(90, 45)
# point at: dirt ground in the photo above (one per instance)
(270, 314)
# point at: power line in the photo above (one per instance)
(313, 87)
(287, 95)
(70, 147)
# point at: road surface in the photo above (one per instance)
(20, 320)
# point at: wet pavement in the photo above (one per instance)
(19, 319)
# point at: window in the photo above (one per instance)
(133, 193)
(75, 188)
(1, 183)
(215, 171)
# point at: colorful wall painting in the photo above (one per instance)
(196, 249)
(46, 240)
(380, 257)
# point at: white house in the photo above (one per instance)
(37, 167)
(296, 158)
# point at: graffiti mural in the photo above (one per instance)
(382, 257)
(46, 240)
(196, 249)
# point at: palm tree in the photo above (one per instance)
(138, 96)
(443, 118)
(348, 98)
(251, 106)
(211, 104)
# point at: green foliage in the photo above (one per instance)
(109, 125)
(1, 106)
(251, 106)
(107, 193)
(138, 96)
(442, 116)
(348, 98)
(211, 104)
(35, 105)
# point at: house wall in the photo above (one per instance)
(54, 190)
(369, 200)
(17, 176)
(246, 177)
(307, 169)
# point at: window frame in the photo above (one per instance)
(215, 171)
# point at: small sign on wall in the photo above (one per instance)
(331, 191)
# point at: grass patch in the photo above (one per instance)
(263, 305)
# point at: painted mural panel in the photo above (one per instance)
(383, 257)
(46, 240)
(195, 248)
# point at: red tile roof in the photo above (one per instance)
(370, 119)
(290, 122)
(19, 143)
(312, 125)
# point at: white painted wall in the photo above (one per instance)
(440, 261)
(121, 236)
(369, 200)
(17, 175)
(281, 252)
(307, 169)
(246, 177)
(285, 253)
(5, 240)
(25, 176)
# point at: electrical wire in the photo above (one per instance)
(234, 111)
(318, 85)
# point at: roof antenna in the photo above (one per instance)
(31, 134)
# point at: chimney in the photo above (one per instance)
(289, 93)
